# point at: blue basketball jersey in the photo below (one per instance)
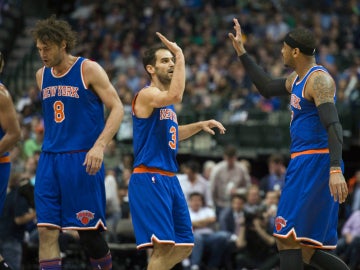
(306, 208)
(73, 114)
(306, 130)
(155, 139)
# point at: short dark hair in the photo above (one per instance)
(303, 36)
(238, 196)
(197, 194)
(149, 56)
(55, 31)
(193, 165)
(276, 158)
(230, 151)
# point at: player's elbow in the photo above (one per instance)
(15, 137)
(177, 98)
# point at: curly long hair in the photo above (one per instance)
(52, 30)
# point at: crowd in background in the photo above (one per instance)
(115, 33)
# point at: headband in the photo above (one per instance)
(294, 44)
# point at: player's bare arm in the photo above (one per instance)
(186, 131)
(321, 89)
(172, 64)
(290, 80)
(96, 78)
(8, 121)
(38, 75)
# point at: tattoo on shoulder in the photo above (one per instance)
(323, 88)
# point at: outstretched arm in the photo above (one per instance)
(267, 86)
(186, 131)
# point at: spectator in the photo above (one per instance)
(253, 199)
(207, 239)
(17, 212)
(113, 212)
(248, 166)
(260, 250)
(33, 143)
(232, 220)
(192, 181)
(349, 244)
(354, 191)
(227, 178)
(275, 179)
(207, 168)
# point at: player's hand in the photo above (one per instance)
(208, 125)
(93, 160)
(172, 46)
(338, 187)
(237, 40)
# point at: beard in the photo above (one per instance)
(164, 78)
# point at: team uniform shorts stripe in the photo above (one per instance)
(160, 196)
(66, 195)
(306, 207)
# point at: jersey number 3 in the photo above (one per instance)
(172, 143)
(59, 114)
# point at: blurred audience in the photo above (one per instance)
(228, 177)
(192, 181)
(209, 242)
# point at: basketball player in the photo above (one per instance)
(306, 221)
(69, 187)
(157, 204)
(9, 135)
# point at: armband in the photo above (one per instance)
(267, 86)
(330, 119)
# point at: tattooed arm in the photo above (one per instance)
(321, 89)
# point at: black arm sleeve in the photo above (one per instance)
(267, 86)
(330, 119)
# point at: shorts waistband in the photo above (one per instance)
(5, 159)
(308, 152)
(144, 169)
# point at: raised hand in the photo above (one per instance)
(172, 46)
(237, 40)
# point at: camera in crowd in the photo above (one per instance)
(258, 212)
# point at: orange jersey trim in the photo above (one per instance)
(309, 242)
(154, 240)
(144, 169)
(308, 152)
(5, 159)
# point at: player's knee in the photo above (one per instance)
(94, 243)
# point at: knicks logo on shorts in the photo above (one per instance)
(280, 223)
(85, 216)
